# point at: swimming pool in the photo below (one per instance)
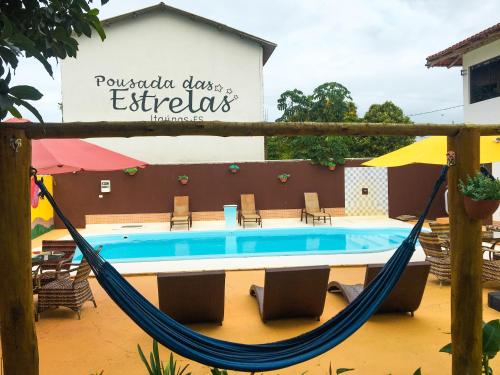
(150, 247)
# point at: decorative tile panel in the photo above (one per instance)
(366, 192)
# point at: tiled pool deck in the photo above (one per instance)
(242, 263)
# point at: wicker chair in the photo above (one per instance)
(67, 291)
(437, 254)
(491, 270)
(441, 229)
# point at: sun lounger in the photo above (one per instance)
(292, 292)
(406, 295)
(181, 214)
(192, 297)
(248, 213)
(313, 209)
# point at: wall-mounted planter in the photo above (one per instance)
(131, 171)
(234, 168)
(183, 179)
(480, 209)
(283, 177)
(332, 167)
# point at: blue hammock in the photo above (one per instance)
(243, 357)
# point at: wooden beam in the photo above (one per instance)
(17, 326)
(226, 129)
(466, 260)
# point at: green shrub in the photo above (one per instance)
(480, 187)
(156, 367)
(491, 344)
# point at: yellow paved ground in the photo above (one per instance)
(106, 339)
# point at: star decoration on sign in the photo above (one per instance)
(229, 91)
(235, 97)
(218, 88)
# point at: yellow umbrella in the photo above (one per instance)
(432, 150)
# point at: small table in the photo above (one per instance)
(46, 258)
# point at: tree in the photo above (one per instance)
(329, 102)
(40, 29)
(386, 112)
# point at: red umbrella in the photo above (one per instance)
(52, 156)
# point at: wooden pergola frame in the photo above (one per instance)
(17, 327)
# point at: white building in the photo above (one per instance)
(162, 63)
(479, 57)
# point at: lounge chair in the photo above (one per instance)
(313, 209)
(67, 291)
(406, 295)
(437, 254)
(292, 292)
(181, 214)
(248, 213)
(192, 297)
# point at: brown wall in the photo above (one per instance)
(211, 186)
(410, 187)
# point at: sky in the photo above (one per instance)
(376, 48)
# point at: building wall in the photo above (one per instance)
(206, 74)
(152, 189)
(487, 111)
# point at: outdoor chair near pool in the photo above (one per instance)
(192, 297)
(66, 248)
(248, 213)
(441, 229)
(292, 292)
(66, 290)
(181, 214)
(313, 209)
(404, 298)
(437, 253)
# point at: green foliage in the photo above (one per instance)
(42, 29)
(332, 102)
(386, 112)
(480, 187)
(234, 167)
(216, 371)
(491, 344)
(284, 176)
(182, 177)
(156, 367)
(339, 370)
(131, 171)
(329, 102)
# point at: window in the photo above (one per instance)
(485, 80)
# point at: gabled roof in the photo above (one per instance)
(452, 56)
(268, 47)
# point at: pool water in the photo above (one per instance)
(144, 247)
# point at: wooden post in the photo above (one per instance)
(466, 260)
(17, 326)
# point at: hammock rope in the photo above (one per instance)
(246, 357)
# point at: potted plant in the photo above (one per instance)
(183, 179)
(331, 165)
(283, 177)
(481, 195)
(234, 168)
(131, 171)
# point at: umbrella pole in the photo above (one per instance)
(17, 326)
(466, 260)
